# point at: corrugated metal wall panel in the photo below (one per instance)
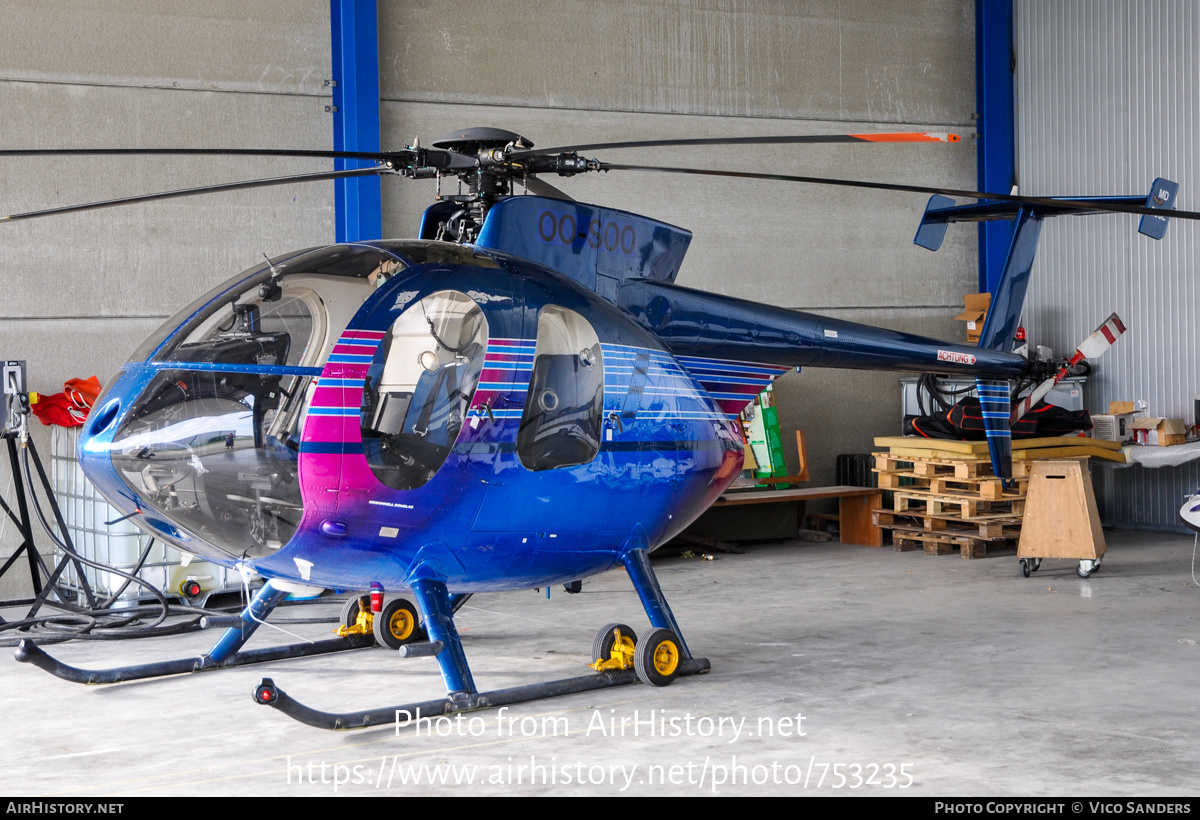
(1108, 98)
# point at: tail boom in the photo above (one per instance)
(695, 323)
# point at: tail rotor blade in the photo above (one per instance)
(1102, 338)
(1092, 348)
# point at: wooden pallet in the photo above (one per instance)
(929, 466)
(988, 487)
(959, 467)
(967, 506)
(905, 539)
(988, 526)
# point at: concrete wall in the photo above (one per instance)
(79, 292)
(570, 72)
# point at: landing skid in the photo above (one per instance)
(618, 658)
(29, 652)
(268, 694)
(224, 654)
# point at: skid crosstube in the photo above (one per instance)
(268, 694)
(435, 605)
(29, 652)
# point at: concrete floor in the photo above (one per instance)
(962, 674)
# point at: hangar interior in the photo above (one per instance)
(990, 683)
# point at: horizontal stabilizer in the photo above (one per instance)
(930, 233)
(942, 210)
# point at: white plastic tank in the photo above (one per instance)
(120, 544)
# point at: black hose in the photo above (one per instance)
(70, 551)
(104, 623)
(942, 398)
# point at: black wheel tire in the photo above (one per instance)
(1025, 568)
(397, 624)
(658, 657)
(1081, 572)
(353, 606)
(603, 644)
(1037, 564)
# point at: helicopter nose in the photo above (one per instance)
(201, 450)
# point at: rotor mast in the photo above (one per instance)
(500, 157)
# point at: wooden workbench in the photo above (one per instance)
(855, 505)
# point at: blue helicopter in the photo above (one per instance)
(422, 420)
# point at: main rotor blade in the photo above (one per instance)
(406, 158)
(915, 136)
(200, 152)
(1056, 202)
(540, 187)
(207, 189)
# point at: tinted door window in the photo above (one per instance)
(563, 412)
(419, 387)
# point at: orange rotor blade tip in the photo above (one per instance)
(909, 137)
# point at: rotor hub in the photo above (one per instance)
(474, 140)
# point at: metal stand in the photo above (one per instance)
(37, 566)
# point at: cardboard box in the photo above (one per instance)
(1113, 427)
(1158, 432)
(1121, 408)
(975, 314)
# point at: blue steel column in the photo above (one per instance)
(355, 34)
(996, 147)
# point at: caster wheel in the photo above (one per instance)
(605, 639)
(353, 607)
(1025, 570)
(657, 658)
(1084, 569)
(1037, 564)
(397, 624)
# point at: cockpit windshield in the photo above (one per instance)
(212, 442)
